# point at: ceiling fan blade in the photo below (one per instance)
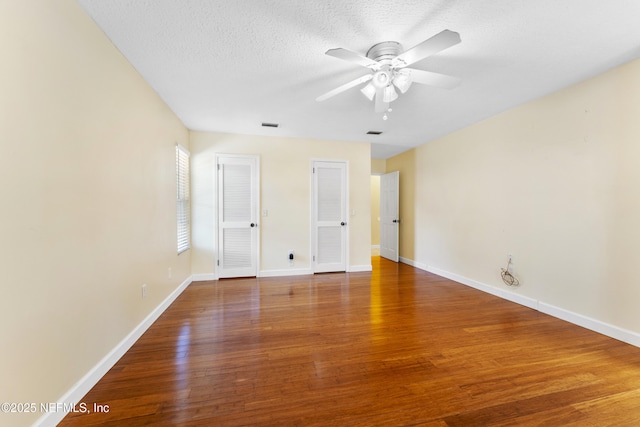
(350, 56)
(344, 87)
(433, 79)
(431, 46)
(381, 106)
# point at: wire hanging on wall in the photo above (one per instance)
(507, 277)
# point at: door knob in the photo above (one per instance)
(343, 223)
(253, 225)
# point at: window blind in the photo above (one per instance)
(183, 202)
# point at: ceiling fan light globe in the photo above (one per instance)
(402, 81)
(381, 79)
(389, 94)
(369, 91)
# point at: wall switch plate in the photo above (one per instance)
(144, 290)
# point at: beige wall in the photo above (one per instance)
(405, 164)
(285, 165)
(554, 183)
(378, 166)
(87, 161)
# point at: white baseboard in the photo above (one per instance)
(413, 263)
(91, 378)
(282, 272)
(603, 328)
(203, 277)
(502, 293)
(598, 326)
(359, 268)
(308, 271)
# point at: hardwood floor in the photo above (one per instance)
(396, 347)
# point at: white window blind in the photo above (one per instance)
(183, 202)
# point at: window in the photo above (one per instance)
(183, 199)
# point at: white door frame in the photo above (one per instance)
(216, 237)
(312, 201)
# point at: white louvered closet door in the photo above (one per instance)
(330, 216)
(237, 217)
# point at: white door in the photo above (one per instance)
(329, 216)
(389, 218)
(237, 216)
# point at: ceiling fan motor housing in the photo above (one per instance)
(384, 52)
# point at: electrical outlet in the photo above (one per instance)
(144, 290)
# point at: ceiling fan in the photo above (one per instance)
(389, 63)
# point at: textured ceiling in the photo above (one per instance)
(228, 66)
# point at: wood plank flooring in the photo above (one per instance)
(396, 347)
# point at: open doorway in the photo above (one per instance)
(385, 220)
(375, 215)
(390, 215)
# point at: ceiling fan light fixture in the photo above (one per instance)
(381, 79)
(386, 62)
(369, 91)
(389, 94)
(402, 81)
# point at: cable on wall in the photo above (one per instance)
(507, 277)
